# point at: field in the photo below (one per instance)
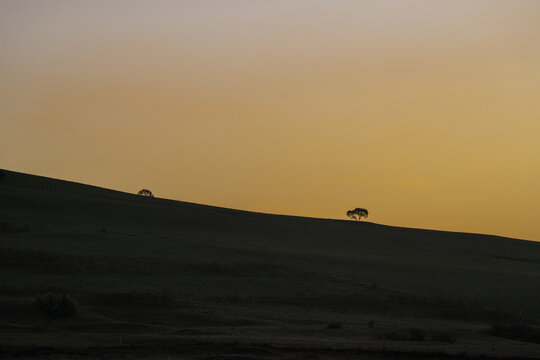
(163, 279)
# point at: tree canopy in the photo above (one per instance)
(358, 213)
(145, 192)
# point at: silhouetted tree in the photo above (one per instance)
(145, 192)
(357, 214)
(55, 306)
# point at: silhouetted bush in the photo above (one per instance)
(2, 175)
(516, 331)
(55, 306)
(145, 192)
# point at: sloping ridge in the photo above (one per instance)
(21, 183)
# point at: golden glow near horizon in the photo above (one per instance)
(427, 113)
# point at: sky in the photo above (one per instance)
(427, 113)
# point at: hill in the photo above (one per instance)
(161, 274)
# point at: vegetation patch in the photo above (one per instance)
(396, 303)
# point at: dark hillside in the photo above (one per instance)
(169, 269)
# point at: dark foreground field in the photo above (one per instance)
(161, 279)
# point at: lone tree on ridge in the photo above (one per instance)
(357, 214)
(145, 192)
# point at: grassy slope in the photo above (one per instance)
(250, 276)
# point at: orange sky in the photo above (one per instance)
(427, 113)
